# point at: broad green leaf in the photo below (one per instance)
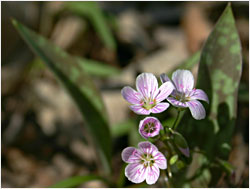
(75, 181)
(79, 85)
(220, 67)
(92, 11)
(97, 68)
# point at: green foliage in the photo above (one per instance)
(79, 85)
(187, 64)
(181, 143)
(96, 68)
(76, 181)
(219, 75)
(173, 159)
(91, 11)
(123, 128)
(229, 169)
(92, 67)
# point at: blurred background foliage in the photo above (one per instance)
(44, 138)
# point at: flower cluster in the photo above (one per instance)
(145, 162)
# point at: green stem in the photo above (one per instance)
(176, 120)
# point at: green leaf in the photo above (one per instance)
(219, 76)
(173, 159)
(226, 166)
(80, 87)
(92, 11)
(220, 67)
(181, 143)
(96, 68)
(75, 181)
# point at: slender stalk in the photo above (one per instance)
(176, 120)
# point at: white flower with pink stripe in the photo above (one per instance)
(185, 95)
(148, 97)
(144, 163)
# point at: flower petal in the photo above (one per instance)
(164, 91)
(164, 78)
(130, 155)
(131, 95)
(160, 160)
(147, 85)
(199, 95)
(197, 110)
(147, 147)
(138, 109)
(183, 80)
(160, 107)
(155, 124)
(177, 103)
(153, 173)
(135, 172)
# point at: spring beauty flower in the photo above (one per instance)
(149, 127)
(144, 163)
(184, 95)
(147, 99)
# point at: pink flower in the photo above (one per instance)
(149, 127)
(184, 95)
(148, 96)
(144, 163)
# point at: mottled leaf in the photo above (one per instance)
(219, 75)
(220, 67)
(79, 85)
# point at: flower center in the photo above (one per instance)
(149, 127)
(181, 97)
(148, 103)
(147, 160)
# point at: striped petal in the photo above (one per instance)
(160, 160)
(197, 110)
(153, 174)
(177, 103)
(199, 94)
(131, 95)
(135, 172)
(130, 155)
(164, 91)
(147, 147)
(147, 85)
(138, 109)
(160, 107)
(183, 80)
